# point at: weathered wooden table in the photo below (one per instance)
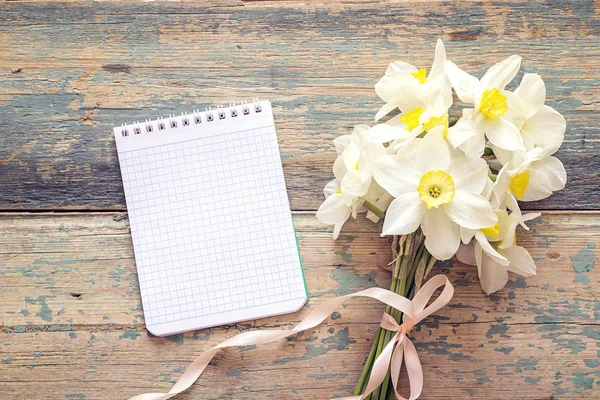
(72, 324)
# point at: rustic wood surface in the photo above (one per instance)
(72, 325)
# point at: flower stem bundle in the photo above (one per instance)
(410, 267)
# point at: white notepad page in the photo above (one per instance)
(210, 219)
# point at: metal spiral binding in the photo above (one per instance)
(195, 118)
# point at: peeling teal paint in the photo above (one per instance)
(45, 312)
(505, 350)
(349, 280)
(130, 334)
(117, 274)
(75, 396)
(72, 335)
(177, 339)
(533, 380)
(583, 261)
(31, 272)
(344, 254)
(497, 330)
(234, 372)
(591, 363)
(442, 347)
(582, 383)
(581, 278)
(336, 315)
(339, 341)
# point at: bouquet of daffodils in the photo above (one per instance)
(448, 182)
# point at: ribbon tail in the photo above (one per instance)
(413, 368)
(380, 367)
(396, 366)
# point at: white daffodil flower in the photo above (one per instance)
(437, 190)
(417, 116)
(491, 104)
(420, 117)
(495, 253)
(379, 197)
(403, 79)
(540, 125)
(353, 168)
(336, 208)
(529, 176)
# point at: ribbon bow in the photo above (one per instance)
(399, 348)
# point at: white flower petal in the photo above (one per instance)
(392, 85)
(463, 130)
(404, 215)
(538, 188)
(438, 62)
(466, 254)
(466, 235)
(503, 134)
(489, 250)
(503, 156)
(331, 187)
(493, 276)
(554, 169)
(339, 168)
(410, 99)
(470, 210)
(515, 112)
(341, 142)
(500, 74)
(546, 129)
(520, 261)
(355, 184)
(397, 175)
(433, 152)
(464, 85)
(400, 66)
(532, 94)
(508, 228)
(383, 133)
(442, 236)
(469, 173)
(334, 211)
(386, 109)
(474, 146)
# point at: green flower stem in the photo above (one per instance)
(412, 262)
(362, 381)
(373, 208)
(407, 281)
(387, 336)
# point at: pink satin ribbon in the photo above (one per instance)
(398, 349)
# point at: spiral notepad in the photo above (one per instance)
(210, 218)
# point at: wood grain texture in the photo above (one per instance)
(89, 66)
(72, 324)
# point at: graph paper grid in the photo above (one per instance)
(211, 225)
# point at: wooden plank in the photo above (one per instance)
(89, 66)
(71, 309)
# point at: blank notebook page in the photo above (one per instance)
(210, 218)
